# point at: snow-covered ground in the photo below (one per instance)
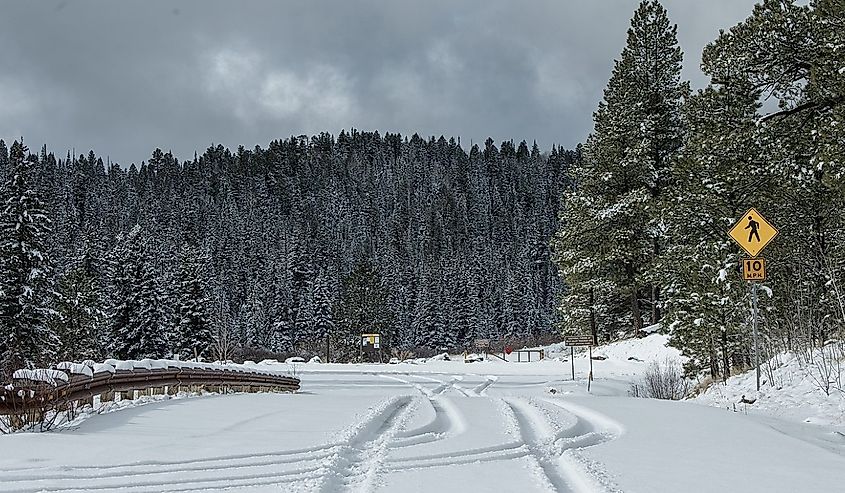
(793, 389)
(438, 426)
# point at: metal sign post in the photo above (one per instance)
(754, 331)
(572, 359)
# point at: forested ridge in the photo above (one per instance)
(434, 245)
(276, 248)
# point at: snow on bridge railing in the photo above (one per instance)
(71, 385)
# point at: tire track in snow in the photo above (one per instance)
(156, 463)
(357, 466)
(159, 478)
(592, 428)
(539, 437)
(216, 473)
(558, 451)
(493, 453)
(170, 483)
(481, 389)
(447, 422)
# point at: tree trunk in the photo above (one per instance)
(725, 358)
(594, 331)
(655, 290)
(635, 300)
(635, 310)
(714, 361)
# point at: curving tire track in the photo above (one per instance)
(539, 438)
(357, 465)
(172, 476)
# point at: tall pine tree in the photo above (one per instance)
(26, 287)
(614, 232)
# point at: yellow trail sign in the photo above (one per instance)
(752, 232)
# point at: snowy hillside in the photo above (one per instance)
(792, 387)
(625, 359)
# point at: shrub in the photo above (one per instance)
(662, 380)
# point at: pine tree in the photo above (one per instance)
(80, 319)
(137, 319)
(195, 334)
(717, 178)
(801, 148)
(4, 162)
(26, 291)
(363, 307)
(612, 233)
(324, 325)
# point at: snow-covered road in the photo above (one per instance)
(406, 431)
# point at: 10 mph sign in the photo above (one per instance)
(754, 269)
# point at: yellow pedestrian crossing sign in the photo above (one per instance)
(752, 232)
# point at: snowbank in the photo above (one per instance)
(625, 360)
(793, 389)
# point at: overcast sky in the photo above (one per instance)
(125, 77)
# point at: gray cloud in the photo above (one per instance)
(126, 77)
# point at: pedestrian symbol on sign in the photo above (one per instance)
(753, 226)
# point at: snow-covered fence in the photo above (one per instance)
(32, 393)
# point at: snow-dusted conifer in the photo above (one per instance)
(195, 335)
(613, 233)
(26, 287)
(137, 318)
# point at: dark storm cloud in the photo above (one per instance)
(126, 77)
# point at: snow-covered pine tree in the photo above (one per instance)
(301, 274)
(254, 323)
(717, 178)
(4, 162)
(80, 319)
(137, 318)
(26, 286)
(195, 335)
(323, 321)
(800, 69)
(612, 230)
(363, 307)
(429, 324)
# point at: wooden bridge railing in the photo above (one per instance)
(75, 384)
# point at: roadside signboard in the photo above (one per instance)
(370, 341)
(754, 269)
(752, 232)
(575, 341)
(482, 343)
(580, 341)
